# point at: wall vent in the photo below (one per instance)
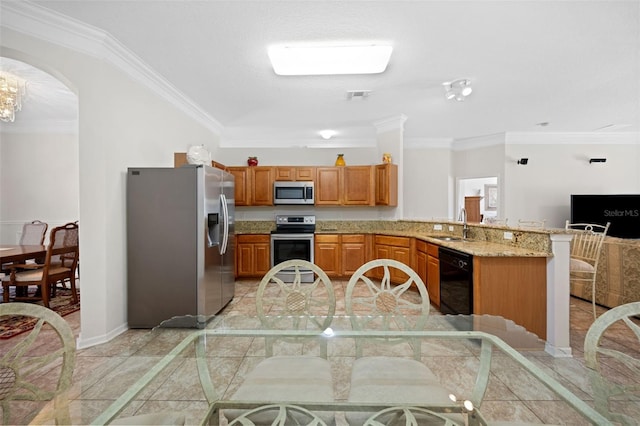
(357, 94)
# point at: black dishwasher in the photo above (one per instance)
(456, 282)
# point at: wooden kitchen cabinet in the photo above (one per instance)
(433, 274)
(241, 175)
(253, 185)
(340, 255)
(428, 268)
(514, 288)
(357, 186)
(348, 185)
(253, 255)
(354, 253)
(261, 186)
(327, 254)
(328, 186)
(295, 173)
(421, 261)
(396, 248)
(386, 185)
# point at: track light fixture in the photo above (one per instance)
(597, 160)
(457, 89)
(523, 161)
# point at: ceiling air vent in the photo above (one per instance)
(357, 94)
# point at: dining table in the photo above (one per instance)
(20, 254)
(478, 353)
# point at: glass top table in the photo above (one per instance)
(478, 358)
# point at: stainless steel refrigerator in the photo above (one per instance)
(180, 245)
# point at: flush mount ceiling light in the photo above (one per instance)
(457, 89)
(329, 60)
(327, 134)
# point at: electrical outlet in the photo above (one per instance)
(450, 228)
(508, 235)
(437, 227)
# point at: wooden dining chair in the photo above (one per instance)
(291, 377)
(66, 260)
(385, 376)
(63, 242)
(33, 233)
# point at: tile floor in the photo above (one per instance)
(103, 372)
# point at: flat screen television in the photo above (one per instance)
(622, 210)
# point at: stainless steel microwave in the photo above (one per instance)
(293, 193)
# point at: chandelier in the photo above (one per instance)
(12, 89)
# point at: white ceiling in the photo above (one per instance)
(573, 64)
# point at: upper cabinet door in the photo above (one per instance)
(358, 186)
(328, 186)
(386, 185)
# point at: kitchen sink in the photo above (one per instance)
(448, 238)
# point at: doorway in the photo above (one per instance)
(485, 187)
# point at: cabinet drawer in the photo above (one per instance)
(324, 238)
(253, 238)
(432, 250)
(421, 246)
(393, 241)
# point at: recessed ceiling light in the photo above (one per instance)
(327, 134)
(329, 60)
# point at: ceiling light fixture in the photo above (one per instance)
(329, 60)
(457, 89)
(327, 134)
(12, 89)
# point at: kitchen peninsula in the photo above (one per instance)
(509, 276)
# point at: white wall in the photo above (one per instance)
(38, 180)
(121, 124)
(427, 185)
(559, 166)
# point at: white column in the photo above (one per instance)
(558, 297)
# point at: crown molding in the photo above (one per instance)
(37, 21)
(476, 142)
(389, 124)
(573, 138)
(296, 143)
(428, 143)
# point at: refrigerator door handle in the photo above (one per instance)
(225, 224)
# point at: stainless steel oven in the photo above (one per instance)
(293, 239)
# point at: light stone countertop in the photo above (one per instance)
(484, 241)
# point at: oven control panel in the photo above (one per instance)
(296, 220)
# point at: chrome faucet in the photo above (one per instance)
(465, 227)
